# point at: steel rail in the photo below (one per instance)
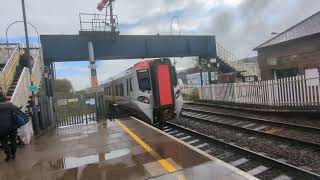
(256, 119)
(304, 173)
(268, 109)
(316, 146)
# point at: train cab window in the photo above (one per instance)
(121, 90)
(144, 80)
(130, 84)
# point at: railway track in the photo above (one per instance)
(256, 164)
(295, 118)
(297, 134)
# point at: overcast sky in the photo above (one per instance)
(239, 25)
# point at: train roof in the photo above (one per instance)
(140, 65)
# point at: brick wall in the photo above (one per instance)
(300, 53)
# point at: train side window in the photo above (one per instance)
(121, 89)
(131, 84)
(127, 85)
(144, 80)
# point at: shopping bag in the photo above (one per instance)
(20, 117)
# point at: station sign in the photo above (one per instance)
(62, 102)
(90, 102)
(33, 88)
(73, 100)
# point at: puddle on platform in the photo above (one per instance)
(72, 162)
(73, 138)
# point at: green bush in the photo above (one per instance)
(194, 96)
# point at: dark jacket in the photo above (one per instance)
(7, 120)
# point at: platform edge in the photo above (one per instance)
(234, 169)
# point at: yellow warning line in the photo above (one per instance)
(164, 163)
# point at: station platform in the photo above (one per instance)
(122, 149)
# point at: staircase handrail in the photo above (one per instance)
(37, 68)
(226, 55)
(234, 62)
(21, 93)
(9, 70)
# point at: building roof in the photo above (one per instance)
(307, 27)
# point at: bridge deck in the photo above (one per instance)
(124, 149)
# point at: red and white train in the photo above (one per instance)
(150, 88)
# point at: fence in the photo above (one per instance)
(71, 110)
(294, 91)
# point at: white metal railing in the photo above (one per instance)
(21, 93)
(294, 91)
(20, 98)
(37, 68)
(9, 70)
(234, 62)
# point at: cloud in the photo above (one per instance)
(239, 25)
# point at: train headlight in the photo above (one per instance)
(178, 94)
(144, 99)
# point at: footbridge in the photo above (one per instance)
(91, 46)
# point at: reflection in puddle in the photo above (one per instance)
(72, 162)
(74, 138)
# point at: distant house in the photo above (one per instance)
(195, 79)
(252, 69)
(296, 51)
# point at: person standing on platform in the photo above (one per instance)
(11, 118)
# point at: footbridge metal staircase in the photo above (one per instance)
(14, 83)
(234, 64)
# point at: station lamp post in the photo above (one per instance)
(15, 22)
(27, 51)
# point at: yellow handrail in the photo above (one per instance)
(9, 71)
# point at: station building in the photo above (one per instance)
(296, 51)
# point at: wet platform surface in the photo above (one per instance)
(124, 149)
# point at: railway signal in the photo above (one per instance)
(108, 4)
